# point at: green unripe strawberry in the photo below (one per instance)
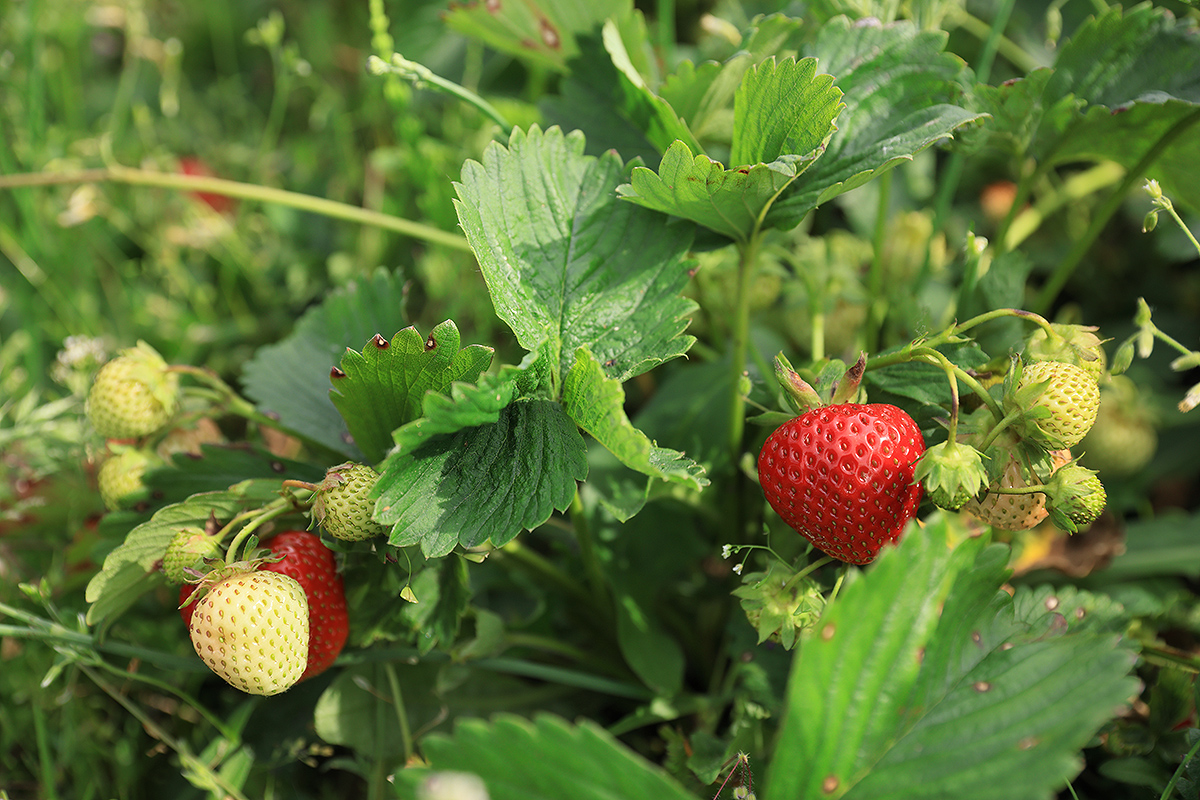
(120, 477)
(133, 395)
(1076, 497)
(188, 550)
(1074, 344)
(343, 506)
(1071, 396)
(952, 474)
(251, 628)
(1122, 440)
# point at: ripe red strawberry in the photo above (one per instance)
(842, 476)
(191, 165)
(312, 565)
(251, 628)
(343, 507)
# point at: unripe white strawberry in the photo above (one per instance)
(343, 506)
(133, 395)
(251, 628)
(1014, 512)
(1071, 395)
(188, 549)
(120, 477)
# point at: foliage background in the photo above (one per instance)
(276, 94)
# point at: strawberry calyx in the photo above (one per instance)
(836, 384)
(952, 473)
(1070, 344)
(211, 578)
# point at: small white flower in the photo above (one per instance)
(727, 551)
(1191, 399)
(738, 568)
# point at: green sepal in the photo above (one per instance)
(952, 473)
(798, 393)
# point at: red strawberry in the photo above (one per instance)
(842, 476)
(311, 564)
(191, 165)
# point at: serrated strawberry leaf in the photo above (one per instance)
(464, 405)
(143, 548)
(901, 91)
(546, 758)
(596, 403)
(384, 386)
(290, 379)
(786, 113)
(484, 482)
(920, 681)
(567, 263)
(703, 93)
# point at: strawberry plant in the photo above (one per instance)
(760, 405)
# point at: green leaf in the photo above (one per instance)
(220, 466)
(899, 92)
(783, 108)
(567, 263)
(383, 387)
(608, 99)
(485, 482)
(702, 190)
(596, 403)
(545, 758)
(143, 548)
(291, 378)
(919, 681)
(1122, 81)
(467, 406)
(647, 648)
(349, 713)
(542, 33)
(784, 115)
(702, 94)
(925, 383)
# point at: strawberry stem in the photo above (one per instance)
(258, 517)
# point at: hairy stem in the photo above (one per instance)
(245, 191)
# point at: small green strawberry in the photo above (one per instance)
(251, 629)
(343, 506)
(1058, 401)
(189, 549)
(1123, 439)
(1075, 498)
(1074, 344)
(133, 395)
(952, 473)
(120, 477)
